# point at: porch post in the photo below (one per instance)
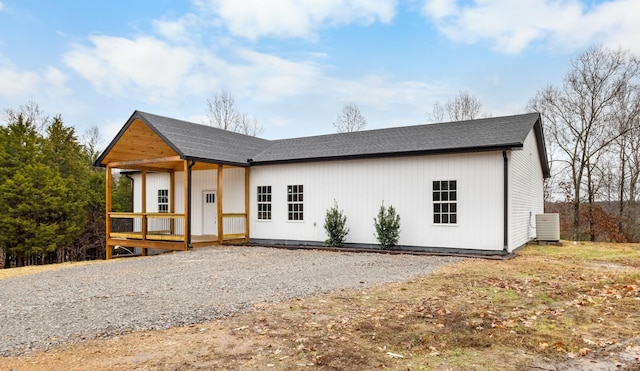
(172, 204)
(144, 210)
(247, 201)
(219, 204)
(108, 217)
(187, 191)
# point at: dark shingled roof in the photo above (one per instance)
(460, 136)
(205, 143)
(202, 142)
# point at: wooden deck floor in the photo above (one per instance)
(166, 241)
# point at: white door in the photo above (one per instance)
(209, 213)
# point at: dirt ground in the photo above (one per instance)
(550, 308)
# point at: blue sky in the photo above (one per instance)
(293, 63)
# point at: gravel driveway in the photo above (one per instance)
(175, 289)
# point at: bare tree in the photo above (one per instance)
(437, 112)
(349, 119)
(579, 118)
(464, 106)
(223, 113)
(31, 112)
(626, 148)
(92, 141)
(249, 125)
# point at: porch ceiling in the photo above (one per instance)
(138, 143)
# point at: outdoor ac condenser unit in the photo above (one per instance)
(548, 227)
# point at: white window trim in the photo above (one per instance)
(457, 213)
(265, 202)
(163, 203)
(294, 203)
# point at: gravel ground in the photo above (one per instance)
(175, 289)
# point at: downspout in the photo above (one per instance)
(191, 164)
(132, 190)
(505, 248)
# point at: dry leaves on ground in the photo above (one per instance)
(541, 308)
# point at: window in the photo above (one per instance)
(210, 198)
(264, 202)
(163, 200)
(445, 202)
(294, 202)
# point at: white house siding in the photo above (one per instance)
(207, 180)
(155, 181)
(525, 192)
(359, 187)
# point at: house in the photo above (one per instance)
(468, 186)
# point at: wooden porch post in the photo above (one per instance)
(247, 201)
(172, 204)
(219, 204)
(108, 210)
(145, 252)
(187, 225)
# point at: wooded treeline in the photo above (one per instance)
(592, 132)
(51, 197)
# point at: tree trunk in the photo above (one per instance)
(621, 187)
(590, 201)
(577, 177)
(576, 220)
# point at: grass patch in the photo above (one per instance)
(594, 251)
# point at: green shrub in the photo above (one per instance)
(387, 227)
(335, 225)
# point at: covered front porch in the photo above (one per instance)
(160, 219)
(179, 202)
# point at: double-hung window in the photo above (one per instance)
(295, 202)
(264, 202)
(163, 200)
(445, 202)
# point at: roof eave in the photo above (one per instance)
(216, 161)
(392, 154)
(542, 148)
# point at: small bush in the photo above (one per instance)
(387, 227)
(335, 225)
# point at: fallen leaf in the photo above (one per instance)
(584, 351)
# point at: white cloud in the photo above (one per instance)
(18, 84)
(271, 77)
(440, 8)
(159, 72)
(295, 18)
(152, 70)
(178, 30)
(1, 6)
(381, 91)
(513, 25)
(56, 81)
(121, 66)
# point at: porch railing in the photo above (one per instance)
(234, 226)
(147, 226)
(168, 226)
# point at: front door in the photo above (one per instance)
(209, 213)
